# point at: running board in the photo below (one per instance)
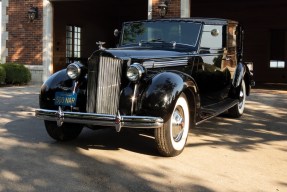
(214, 110)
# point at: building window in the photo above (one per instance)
(277, 64)
(73, 43)
(277, 48)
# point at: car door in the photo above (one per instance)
(211, 67)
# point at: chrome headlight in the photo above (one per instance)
(135, 72)
(74, 70)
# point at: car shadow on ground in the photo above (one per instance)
(36, 162)
(108, 139)
(31, 161)
(264, 121)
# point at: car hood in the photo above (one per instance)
(140, 53)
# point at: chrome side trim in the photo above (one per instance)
(116, 121)
(157, 63)
(134, 98)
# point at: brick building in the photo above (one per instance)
(69, 29)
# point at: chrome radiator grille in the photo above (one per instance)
(104, 82)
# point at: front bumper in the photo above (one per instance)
(117, 121)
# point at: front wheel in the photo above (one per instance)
(238, 109)
(171, 138)
(66, 132)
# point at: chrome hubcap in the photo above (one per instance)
(177, 124)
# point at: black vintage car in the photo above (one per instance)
(168, 75)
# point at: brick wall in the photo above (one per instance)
(24, 42)
(173, 9)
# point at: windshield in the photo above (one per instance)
(182, 32)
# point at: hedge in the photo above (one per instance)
(16, 73)
(2, 74)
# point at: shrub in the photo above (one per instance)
(2, 74)
(16, 73)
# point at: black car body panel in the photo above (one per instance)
(138, 84)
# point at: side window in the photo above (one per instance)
(212, 37)
(231, 60)
(232, 36)
(73, 43)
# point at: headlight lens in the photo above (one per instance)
(135, 72)
(73, 71)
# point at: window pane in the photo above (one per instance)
(273, 64)
(73, 42)
(212, 37)
(277, 64)
(281, 64)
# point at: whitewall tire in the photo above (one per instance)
(237, 110)
(171, 138)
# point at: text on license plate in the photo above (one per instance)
(65, 99)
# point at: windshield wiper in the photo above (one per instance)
(152, 41)
(157, 40)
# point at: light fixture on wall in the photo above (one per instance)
(163, 7)
(32, 13)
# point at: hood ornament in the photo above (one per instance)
(100, 44)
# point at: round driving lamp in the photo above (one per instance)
(135, 72)
(73, 71)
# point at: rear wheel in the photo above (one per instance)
(171, 138)
(237, 110)
(66, 132)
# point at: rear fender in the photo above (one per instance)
(238, 75)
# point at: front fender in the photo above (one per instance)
(162, 92)
(59, 81)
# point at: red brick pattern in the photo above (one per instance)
(25, 39)
(173, 9)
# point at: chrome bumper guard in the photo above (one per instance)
(117, 121)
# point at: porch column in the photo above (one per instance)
(47, 39)
(185, 9)
(149, 10)
(4, 32)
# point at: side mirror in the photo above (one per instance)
(116, 32)
(100, 44)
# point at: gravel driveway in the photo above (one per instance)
(223, 154)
